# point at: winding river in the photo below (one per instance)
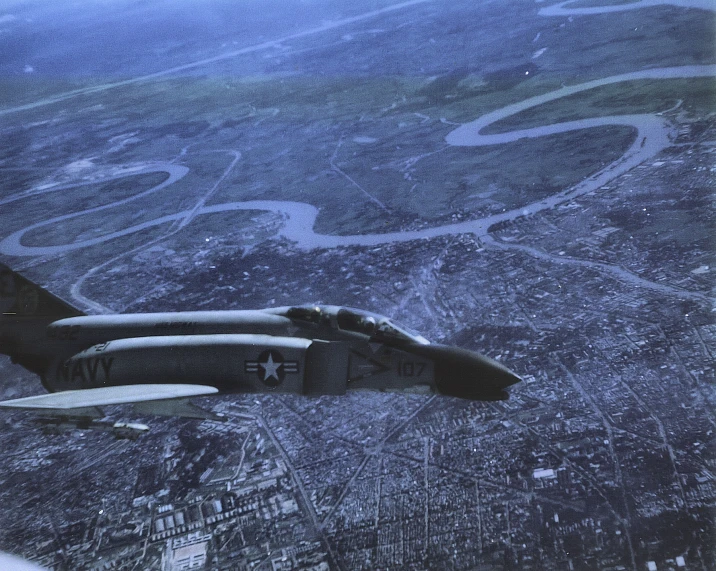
(653, 134)
(563, 9)
(652, 137)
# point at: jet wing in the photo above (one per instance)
(165, 399)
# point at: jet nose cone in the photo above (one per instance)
(463, 374)
(498, 374)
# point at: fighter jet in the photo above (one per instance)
(156, 361)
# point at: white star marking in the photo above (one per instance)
(270, 368)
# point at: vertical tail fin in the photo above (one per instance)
(25, 311)
(20, 298)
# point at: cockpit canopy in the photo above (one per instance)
(355, 321)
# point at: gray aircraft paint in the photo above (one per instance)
(324, 350)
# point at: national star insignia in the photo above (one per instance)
(270, 368)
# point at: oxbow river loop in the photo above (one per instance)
(652, 136)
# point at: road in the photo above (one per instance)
(653, 136)
(271, 44)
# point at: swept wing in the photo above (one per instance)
(154, 399)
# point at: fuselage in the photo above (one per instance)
(306, 350)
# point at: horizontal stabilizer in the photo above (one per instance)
(69, 401)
